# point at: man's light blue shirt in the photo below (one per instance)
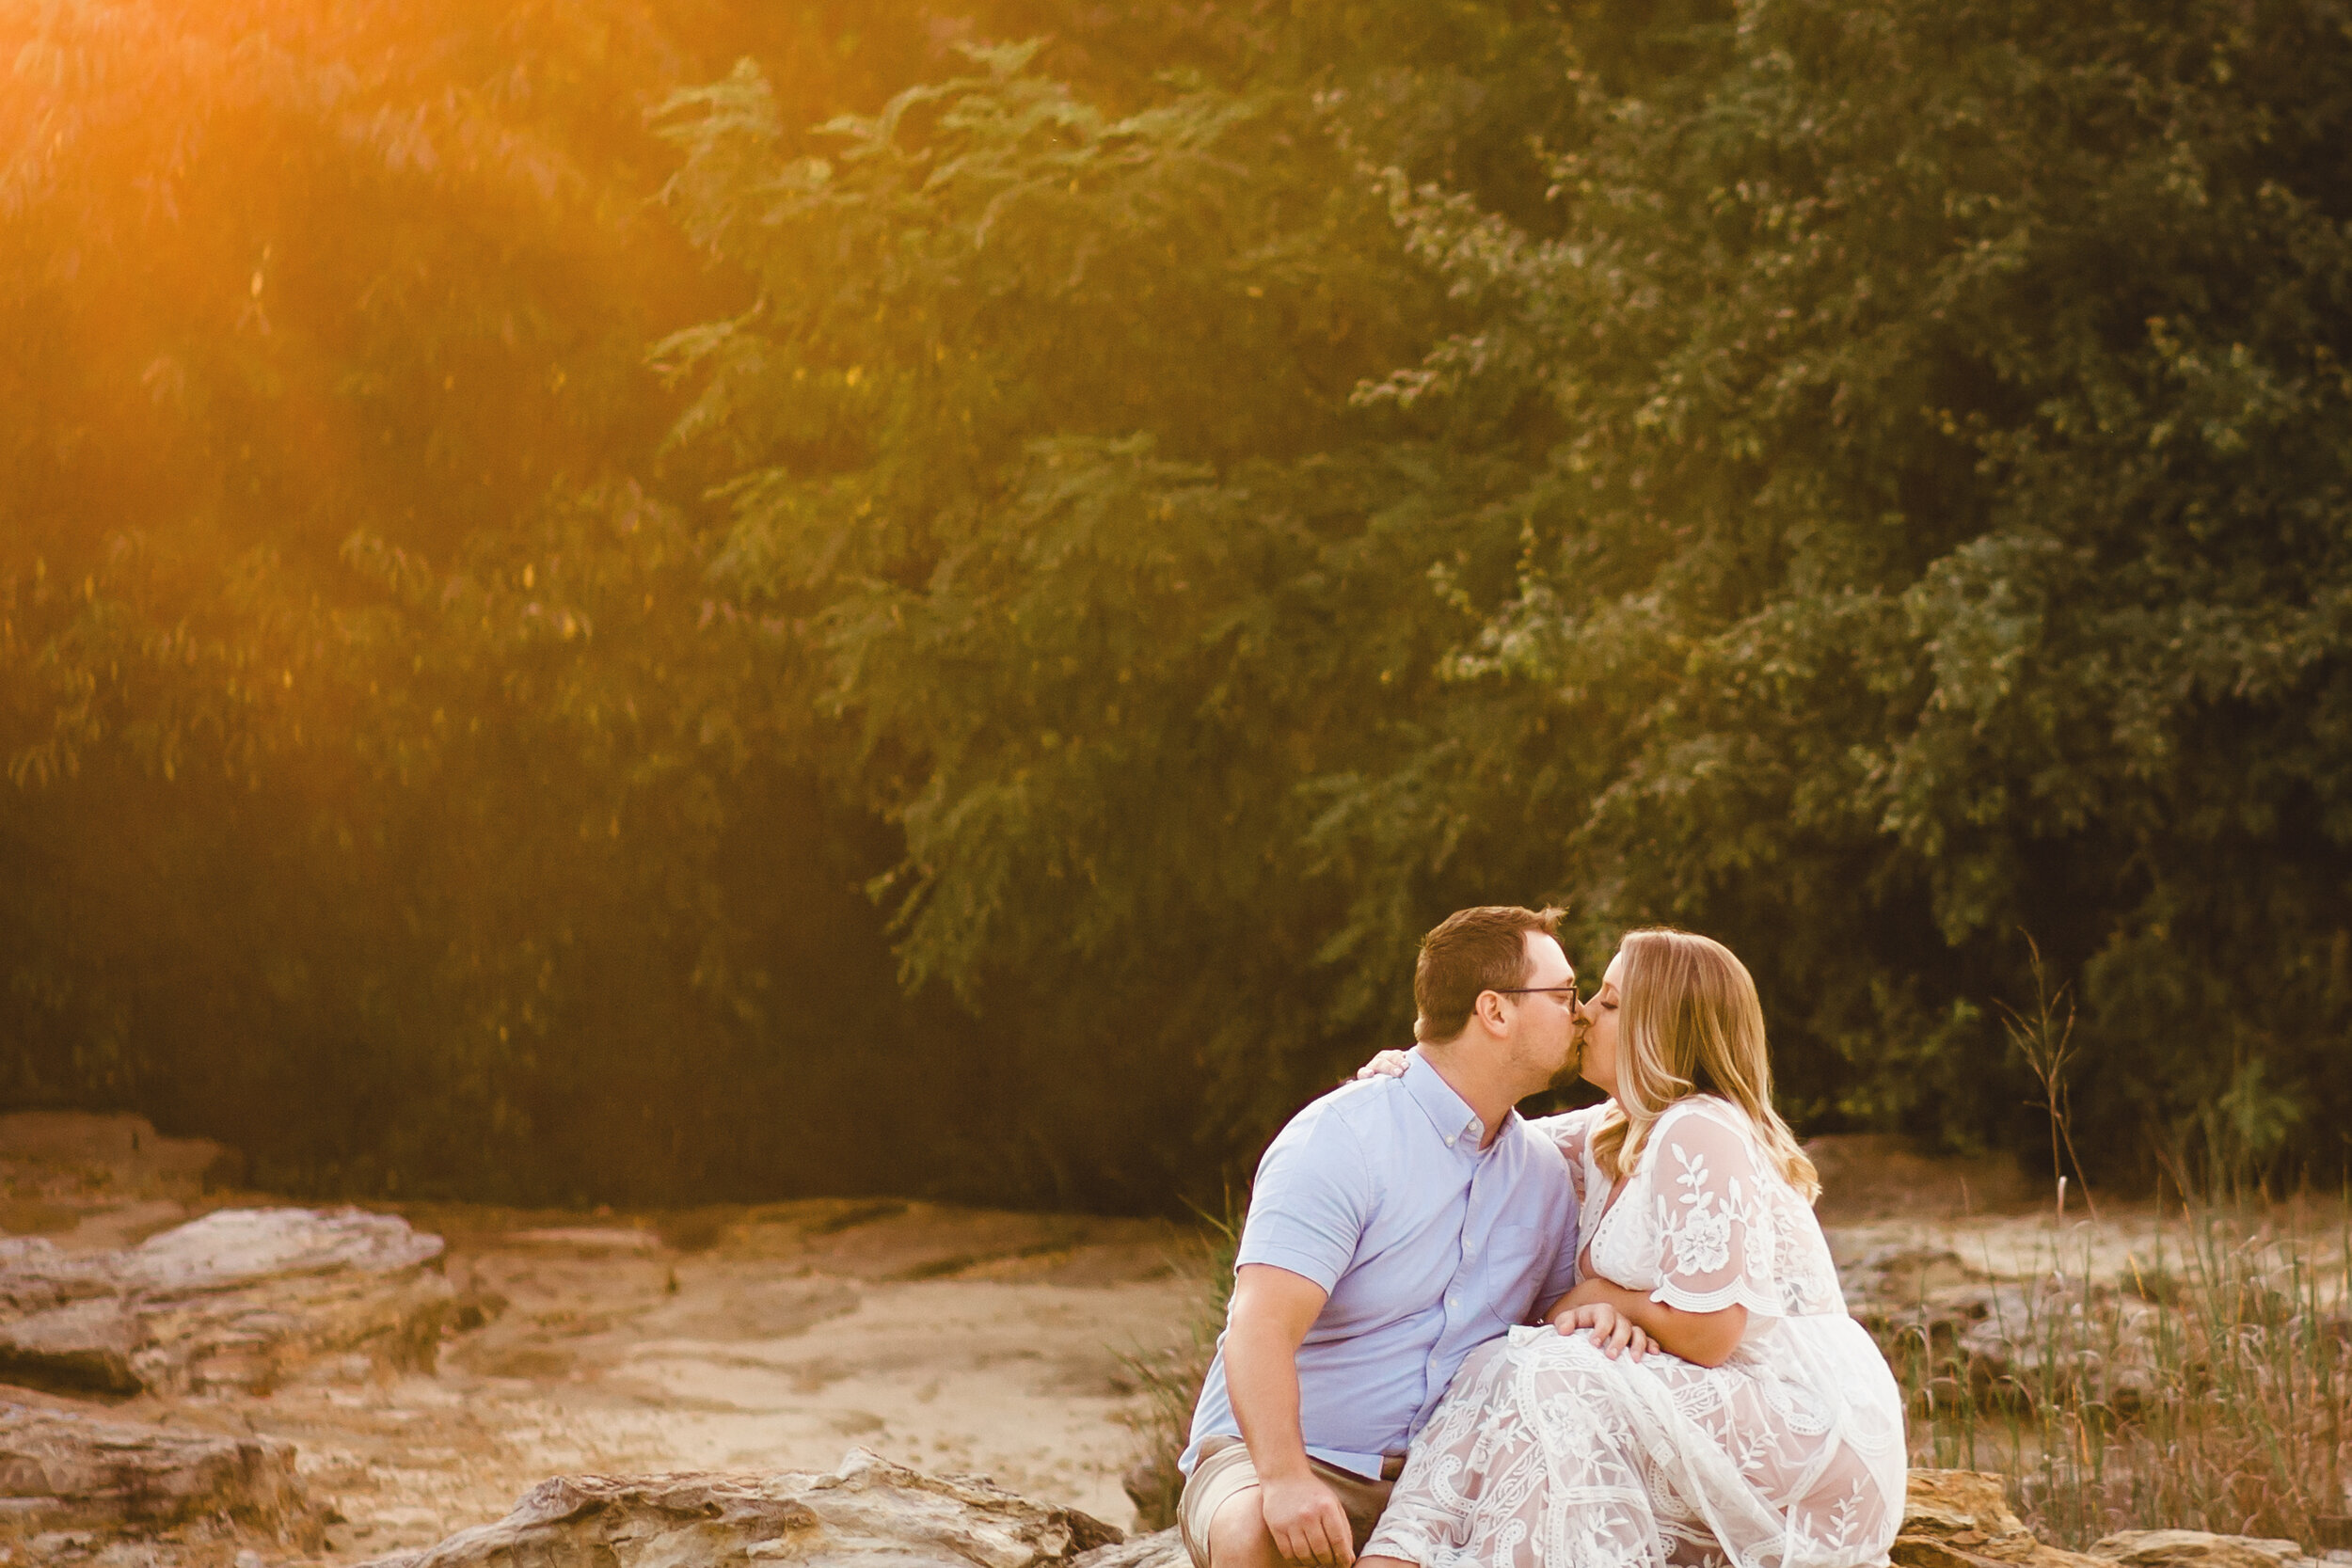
(1427, 1246)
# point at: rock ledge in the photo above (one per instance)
(241, 1300)
(65, 1471)
(870, 1512)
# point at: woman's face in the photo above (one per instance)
(1600, 1065)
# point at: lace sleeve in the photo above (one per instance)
(1715, 1239)
(1570, 1130)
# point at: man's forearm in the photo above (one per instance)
(1262, 1380)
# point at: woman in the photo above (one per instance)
(1763, 1430)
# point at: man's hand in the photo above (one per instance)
(1305, 1520)
(1611, 1330)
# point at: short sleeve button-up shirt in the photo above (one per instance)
(1425, 1245)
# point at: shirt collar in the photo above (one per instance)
(1448, 1112)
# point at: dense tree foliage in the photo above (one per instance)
(1149, 517)
(1945, 538)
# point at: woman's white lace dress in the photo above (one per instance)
(1788, 1455)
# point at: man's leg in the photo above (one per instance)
(1238, 1537)
(1222, 1511)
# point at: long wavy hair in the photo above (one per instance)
(1690, 1023)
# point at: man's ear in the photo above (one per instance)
(1489, 1011)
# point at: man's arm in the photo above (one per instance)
(1272, 1310)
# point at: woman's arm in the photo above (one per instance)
(1702, 1339)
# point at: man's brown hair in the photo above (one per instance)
(1472, 951)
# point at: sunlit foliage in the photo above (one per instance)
(390, 795)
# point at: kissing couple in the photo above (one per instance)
(1612, 1338)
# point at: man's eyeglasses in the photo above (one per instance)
(1569, 993)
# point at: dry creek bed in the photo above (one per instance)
(770, 1337)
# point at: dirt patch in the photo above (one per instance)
(79, 1151)
(1872, 1176)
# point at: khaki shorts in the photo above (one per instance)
(1224, 1469)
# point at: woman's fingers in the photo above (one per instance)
(1613, 1333)
(1387, 1063)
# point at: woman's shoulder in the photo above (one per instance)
(1706, 1107)
(1707, 1118)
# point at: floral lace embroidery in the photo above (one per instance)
(1701, 1239)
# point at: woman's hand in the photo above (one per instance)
(1702, 1339)
(1389, 1063)
(1611, 1330)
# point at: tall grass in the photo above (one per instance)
(2202, 1386)
(1170, 1380)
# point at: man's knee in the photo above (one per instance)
(1237, 1535)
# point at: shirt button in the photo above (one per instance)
(1454, 1301)
(1449, 1143)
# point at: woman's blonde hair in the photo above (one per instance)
(1690, 1024)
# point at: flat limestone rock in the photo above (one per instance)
(59, 1470)
(230, 1247)
(869, 1513)
(1961, 1519)
(2195, 1548)
(240, 1300)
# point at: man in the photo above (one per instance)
(1396, 1224)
